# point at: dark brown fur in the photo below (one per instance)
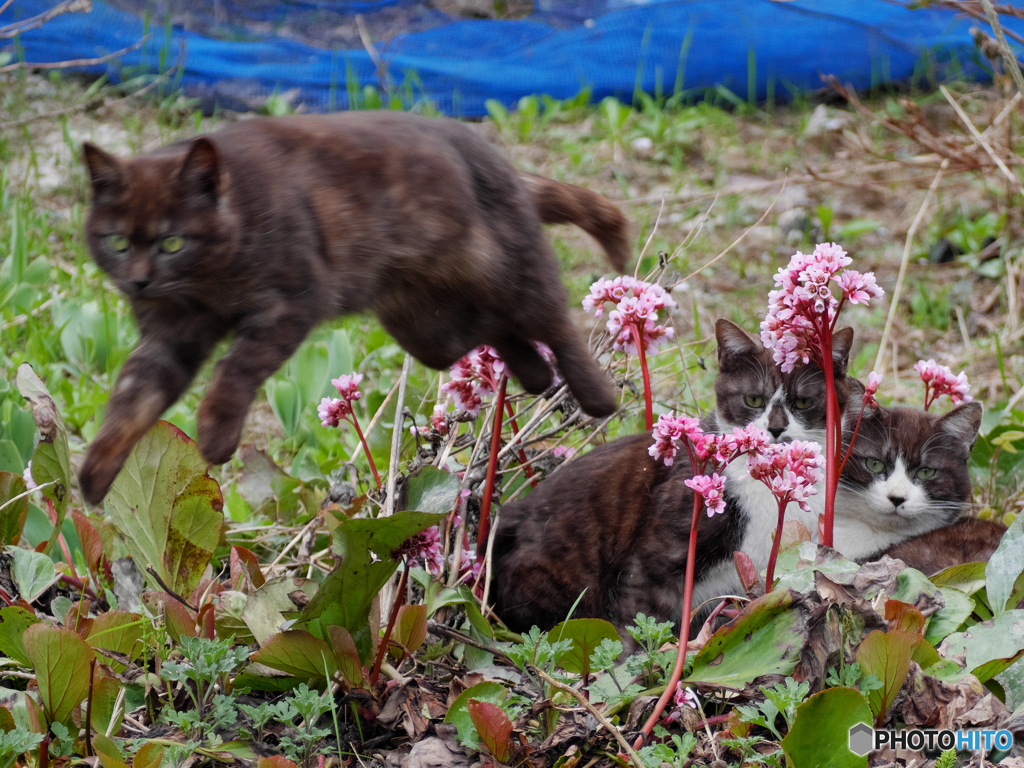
(290, 221)
(616, 523)
(969, 540)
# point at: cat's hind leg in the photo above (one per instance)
(588, 383)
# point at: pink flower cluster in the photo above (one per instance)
(332, 409)
(474, 376)
(640, 311)
(436, 422)
(790, 470)
(712, 488)
(874, 379)
(670, 430)
(685, 696)
(939, 380)
(425, 545)
(468, 566)
(804, 308)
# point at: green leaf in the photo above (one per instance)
(108, 753)
(51, 461)
(150, 755)
(105, 711)
(411, 627)
(432, 490)
(347, 656)
(765, 639)
(493, 727)
(957, 608)
(33, 573)
(887, 656)
(62, 662)
(265, 608)
(796, 565)
(820, 733)
(14, 620)
(227, 617)
(118, 631)
(366, 547)
(586, 636)
(12, 513)
(297, 653)
(458, 712)
(1005, 565)
(283, 396)
(991, 646)
(968, 578)
(167, 508)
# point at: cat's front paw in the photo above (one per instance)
(217, 443)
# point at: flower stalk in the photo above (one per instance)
(333, 410)
(492, 470)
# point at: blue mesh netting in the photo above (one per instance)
(239, 51)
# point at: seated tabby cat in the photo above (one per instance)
(272, 225)
(616, 527)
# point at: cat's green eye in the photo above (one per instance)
(117, 243)
(803, 403)
(924, 473)
(172, 244)
(875, 466)
(754, 401)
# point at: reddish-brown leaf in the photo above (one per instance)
(347, 655)
(493, 727)
(904, 616)
(275, 761)
(180, 620)
(245, 566)
(745, 568)
(92, 544)
(411, 626)
(887, 656)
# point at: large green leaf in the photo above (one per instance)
(369, 549)
(820, 734)
(586, 635)
(51, 461)
(458, 713)
(167, 508)
(796, 565)
(887, 656)
(958, 606)
(118, 631)
(62, 662)
(765, 639)
(432, 490)
(968, 577)
(265, 608)
(33, 573)
(989, 647)
(1005, 565)
(14, 620)
(12, 513)
(297, 653)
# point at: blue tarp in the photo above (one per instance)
(612, 48)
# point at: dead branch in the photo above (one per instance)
(34, 22)
(72, 62)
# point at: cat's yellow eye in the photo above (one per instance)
(924, 473)
(803, 403)
(117, 243)
(875, 466)
(172, 244)
(754, 401)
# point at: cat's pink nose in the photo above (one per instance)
(896, 501)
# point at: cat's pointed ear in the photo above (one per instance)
(733, 341)
(105, 171)
(200, 173)
(842, 343)
(962, 424)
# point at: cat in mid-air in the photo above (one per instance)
(907, 475)
(269, 226)
(616, 527)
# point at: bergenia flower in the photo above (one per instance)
(874, 379)
(468, 566)
(712, 488)
(685, 696)
(668, 433)
(939, 380)
(639, 310)
(803, 309)
(332, 410)
(348, 386)
(30, 484)
(425, 546)
(790, 470)
(437, 422)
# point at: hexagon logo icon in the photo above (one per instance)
(861, 739)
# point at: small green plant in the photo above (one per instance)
(310, 705)
(930, 308)
(782, 698)
(208, 666)
(673, 752)
(947, 759)
(650, 662)
(851, 676)
(17, 742)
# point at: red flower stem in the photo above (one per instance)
(366, 448)
(853, 439)
(833, 436)
(60, 539)
(515, 431)
(684, 628)
(648, 406)
(492, 470)
(395, 605)
(770, 575)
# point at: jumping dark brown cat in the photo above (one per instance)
(617, 525)
(272, 225)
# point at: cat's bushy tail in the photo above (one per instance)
(560, 203)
